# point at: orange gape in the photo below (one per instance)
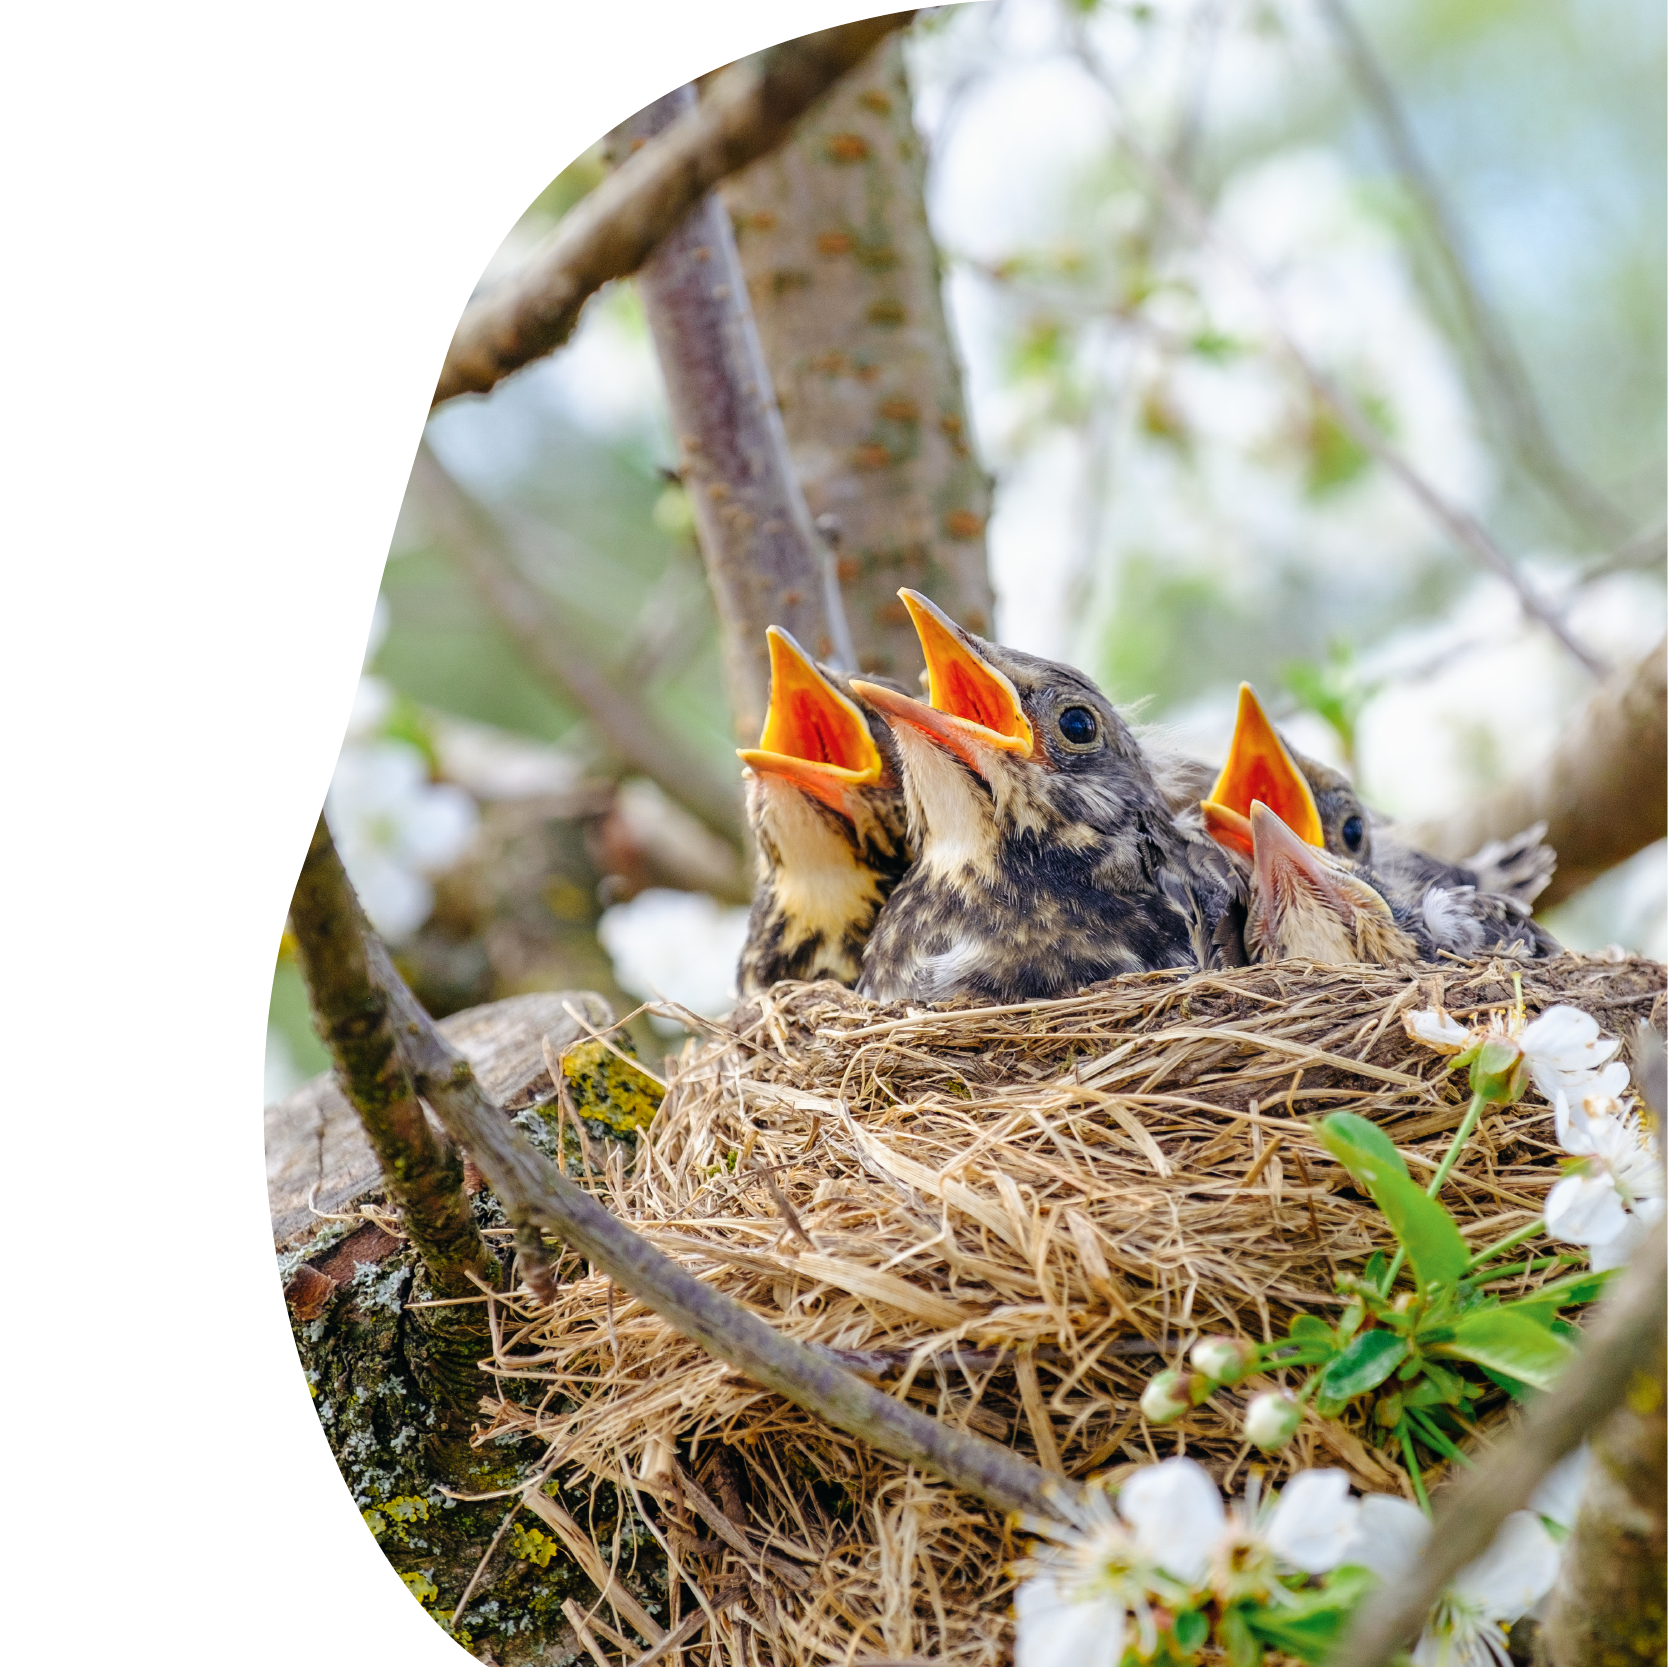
(813, 735)
(1259, 769)
(961, 684)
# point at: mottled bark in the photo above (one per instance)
(610, 232)
(1610, 1604)
(556, 650)
(765, 562)
(845, 285)
(422, 1174)
(1602, 792)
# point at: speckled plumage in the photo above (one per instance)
(1041, 871)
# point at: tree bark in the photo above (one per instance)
(1610, 1604)
(765, 562)
(1603, 791)
(610, 232)
(845, 285)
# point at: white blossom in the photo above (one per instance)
(1085, 1595)
(1558, 1497)
(1612, 1197)
(1468, 1621)
(1567, 1055)
(393, 827)
(1436, 1028)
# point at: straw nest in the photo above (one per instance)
(1013, 1217)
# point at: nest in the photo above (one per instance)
(1012, 1217)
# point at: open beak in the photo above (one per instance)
(1283, 863)
(813, 735)
(1227, 827)
(1260, 769)
(963, 686)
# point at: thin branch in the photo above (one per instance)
(1529, 435)
(532, 1190)
(424, 1179)
(1625, 1339)
(1458, 523)
(764, 560)
(627, 726)
(610, 233)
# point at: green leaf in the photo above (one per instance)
(1243, 1646)
(1517, 1390)
(1438, 1387)
(1191, 1631)
(1501, 1341)
(1426, 1230)
(1364, 1365)
(1543, 1305)
(1310, 1328)
(1310, 1623)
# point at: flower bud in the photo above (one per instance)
(1224, 1359)
(1499, 1071)
(1271, 1419)
(1172, 1393)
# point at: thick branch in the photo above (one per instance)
(620, 717)
(844, 282)
(424, 1179)
(764, 560)
(1624, 1343)
(1603, 791)
(611, 232)
(533, 1191)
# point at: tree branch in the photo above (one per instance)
(1625, 1341)
(1525, 423)
(764, 560)
(423, 1176)
(1603, 791)
(1459, 524)
(534, 1192)
(612, 231)
(554, 650)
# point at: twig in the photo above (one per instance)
(582, 1632)
(1623, 1340)
(1531, 439)
(609, 233)
(532, 1189)
(624, 723)
(423, 1179)
(1463, 527)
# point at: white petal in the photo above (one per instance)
(1511, 1575)
(1436, 1030)
(1585, 1209)
(1617, 1252)
(1177, 1516)
(1054, 1632)
(1565, 1051)
(1559, 1495)
(438, 826)
(1571, 1124)
(1390, 1534)
(1314, 1521)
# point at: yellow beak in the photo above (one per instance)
(1260, 769)
(964, 686)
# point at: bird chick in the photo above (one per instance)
(1307, 903)
(1046, 855)
(828, 820)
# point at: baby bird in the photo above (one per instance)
(827, 815)
(1046, 855)
(1441, 906)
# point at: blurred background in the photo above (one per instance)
(1157, 224)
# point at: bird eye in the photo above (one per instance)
(1078, 725)
(1353, 831)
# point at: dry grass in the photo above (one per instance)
(1013, 1217)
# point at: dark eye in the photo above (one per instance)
(1078, 725)
(1353, 831)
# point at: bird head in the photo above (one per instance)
(1305, 902)
(827, 813)
(1005, 743)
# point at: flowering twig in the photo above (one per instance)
(1623, 1341)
